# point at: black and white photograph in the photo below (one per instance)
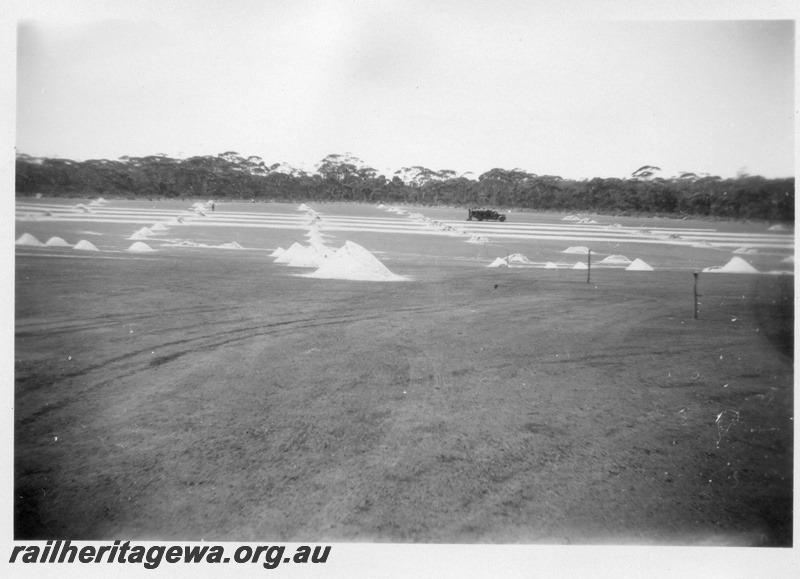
(400, 288)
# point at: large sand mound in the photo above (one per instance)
(312, 256)
(28, 239)
(735, 265)
(353, 262)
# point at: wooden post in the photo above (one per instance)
(696, 295)
(589, 267)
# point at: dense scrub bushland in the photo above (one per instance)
(346, 178)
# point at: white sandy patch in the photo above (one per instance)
(550, 265)
(518, 258)
(580, 265)
(498, 262)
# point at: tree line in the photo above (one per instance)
(346, 178)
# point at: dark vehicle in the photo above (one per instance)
(484, 215)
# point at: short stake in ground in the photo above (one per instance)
(589, 266)
(696, 295)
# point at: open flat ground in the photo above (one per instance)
(205, 393)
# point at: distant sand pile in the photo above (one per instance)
(518, 258)
(83, 208)
(577, 249)
(550, 265)
(498, 262)
(638, 265)
(28, 239)
(140, 247)
(616, 259)
(57, 242)
(84, 245)
(158, 227)
(580, 265)
(142, 233)
(735, 265)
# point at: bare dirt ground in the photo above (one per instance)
(186, 396)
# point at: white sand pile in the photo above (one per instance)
(28, 239)
(139, 247)
(57, 242)
(577, 249)
(158, 227)
(735, 265)
(94, 203)
(381, 206)
(84, 245)
(745, 250)
(550, 265)
(570, 218)
(141, 234)
(231, 245)
(777, 227)
(314, 255)
(498, 262)
(518, 258)
(580, 265)
(278, 252)
(83, 208)
(788, 259)
(101, 200)
(289, 254)
(353, 262)
(638, 265)
(615, 259)
(303, 207)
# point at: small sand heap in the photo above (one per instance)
(550, 265)
(615, 259)
(231, 245)
(158, 227)
(84, 245)
(735, 265)
(28, 239)
(577, 249)
(638, 265)
(580, 265)
(287, 255)
(141, 234)
(139, 247)
(518, 258)
(57, 242)
(498, 262)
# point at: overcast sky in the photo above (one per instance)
(577, 92)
